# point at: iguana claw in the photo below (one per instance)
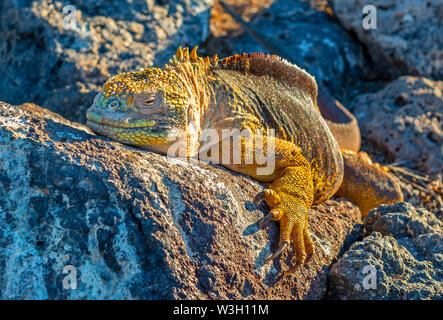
(265, 220)
(279, 251)
(259, 197)
(289, 200)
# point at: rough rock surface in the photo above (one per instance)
(137, 225)
(314, 37)
(405, 119)
(45, 61)
(407, 39)
(405, 249)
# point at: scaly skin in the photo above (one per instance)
(161, 109)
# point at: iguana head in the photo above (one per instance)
(153, 108)
(146, 109)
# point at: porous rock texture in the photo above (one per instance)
(45, 58)
(312, 37)
(407, 38)
(137, 225)
(405, 119)
(402, 258)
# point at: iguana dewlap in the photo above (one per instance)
(157, 109)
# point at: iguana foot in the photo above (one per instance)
(293, 218)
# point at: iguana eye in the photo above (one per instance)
(113, 104)
(149, 101)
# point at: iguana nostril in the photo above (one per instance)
(93, 116)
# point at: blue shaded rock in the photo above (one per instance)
(400, 259)
(44, 58)
(406, 39)
(330, 53)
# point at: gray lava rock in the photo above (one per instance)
(408, 36)
(401, 259)
(405, 119)
(46, 59)
(137, 225)
(314, 37)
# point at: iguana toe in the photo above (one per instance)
(293, 219)
(265, 220)
(303, 248)
(272, 199)
(279, 251)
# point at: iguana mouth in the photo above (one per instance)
(118, 121)
(105, 127)
(135, 136)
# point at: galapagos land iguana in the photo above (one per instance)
(157, 108)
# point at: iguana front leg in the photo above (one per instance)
(290, 198)
(290, 193)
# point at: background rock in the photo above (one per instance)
(137, 225)
(405, 250)
(407, 39)
(313, 36)
(405, 119)
(402, 124)
(43, 62)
